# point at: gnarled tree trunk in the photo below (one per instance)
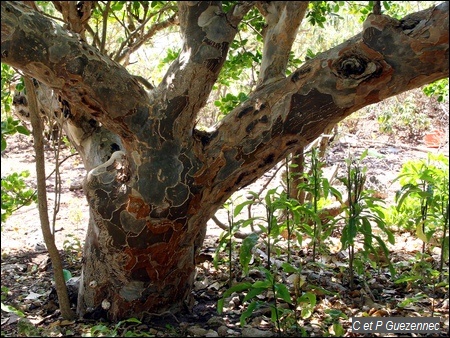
(153, 179)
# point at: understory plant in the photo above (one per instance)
(362, 212)
(271, 225)
(423, 201)
(16, 193)
(317, 191)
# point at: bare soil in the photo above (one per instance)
(26, 269)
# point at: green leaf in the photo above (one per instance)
(248, 312)
(254, 292)
(410, 300)
(445, 248)
(67, 275)
(245, 253)
(338, 330)
(240, 206)
(237, 288)
(9, 308)
(220, 304)
(265, 284)
(288, 268)
(419, 232)
(408, 278)
(282, 292)
(23, 130)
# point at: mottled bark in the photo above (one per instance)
(150, 200)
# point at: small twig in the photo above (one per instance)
(238, 234)
(377, 8)
(61, 162)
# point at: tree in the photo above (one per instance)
(154, 179)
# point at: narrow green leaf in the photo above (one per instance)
(282, 292)
(248, 312)
(245, 253)
(239, 207)
(254, 292)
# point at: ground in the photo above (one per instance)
(26, 269)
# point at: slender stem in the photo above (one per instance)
(36, 123)
(57, 150)
(288, 220)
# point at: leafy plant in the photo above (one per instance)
(10, 126)
(362, 211)
(15, 193)
(332, 319)
(318, 189)
(270, 284)
(229, 101)
(9, 308)
(403, 116)
(424, 184)
(438, 89)
(73, 248)
(119, 330)
(225, 241)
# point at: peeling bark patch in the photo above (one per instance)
(409, 23)
(35, 54)
(214, 64)
(149, 237)
(250, 126)
(161, 171)
(231, 164)
(174, 109)
(240, 178)
(203, 136)
(289, 143)
(77, 66)
(315, 107)
(137, 207)
(130, 223)
(140, 274)
(178, 195)
(139, 122)
(249, 145)
(264, 119)
(277, 127)
(269, 159)
(352, 68)
(244, 112)
(299, 74)
(118, 236)
(383, 43)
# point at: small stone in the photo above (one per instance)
(76, 185)
(253, 332)
(215, 321)
(222, 331)
(197, 331)
(211, 333)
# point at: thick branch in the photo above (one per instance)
(75, 14)
(189, 80)
(283, 19)
(388, 58)
(83, 76)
